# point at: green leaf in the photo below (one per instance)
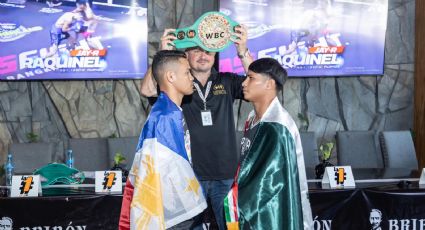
(119, 158)
(32, 137)
(326, 150)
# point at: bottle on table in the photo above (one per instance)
(9, 170)
(69, 158)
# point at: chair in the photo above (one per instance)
(359, 149)
(90, 154)
(27, 157)
(398, 149)
(309, 144)
(124, 145)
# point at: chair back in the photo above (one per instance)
(309, 144)
(398, 149)
(27, 157)
(90, 154)
(359, 149)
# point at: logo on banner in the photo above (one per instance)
(49, 10)
(375, 219)
(6, 223)
(12, 31)
(26, 185)
(109, 180)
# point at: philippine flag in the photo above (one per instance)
(161, 190)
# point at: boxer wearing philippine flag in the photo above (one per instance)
(162, 190)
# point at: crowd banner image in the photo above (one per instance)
(39, 41)
(312, 37)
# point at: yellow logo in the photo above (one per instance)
(219, 89)
(340, 175)
(109, 180)
(26, 184)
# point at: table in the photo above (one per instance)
(401, 204)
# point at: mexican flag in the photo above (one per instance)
(270, 190)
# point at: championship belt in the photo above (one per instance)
(211, 32)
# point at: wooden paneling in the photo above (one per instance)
(419, 112)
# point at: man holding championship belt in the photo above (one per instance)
(209, 111)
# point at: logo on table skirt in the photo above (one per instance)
(6, 223)
(375, 219)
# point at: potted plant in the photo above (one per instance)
(326, 151)
(119, 160)
(32, 137)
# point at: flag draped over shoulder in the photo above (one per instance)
(270, 191)
(161, 190)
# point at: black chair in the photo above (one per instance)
(398, 150)
(309, 144)
(27, 157)
(90, 154)
(359, 149)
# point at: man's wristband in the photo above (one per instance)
(244, 54)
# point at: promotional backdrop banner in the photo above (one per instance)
(112, 44)
(312, 37)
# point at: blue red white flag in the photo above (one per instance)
(162, 189)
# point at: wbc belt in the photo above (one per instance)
(212, 32)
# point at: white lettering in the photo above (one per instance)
(422, 224)
(322, 224)
(38, 63)
(20, 76)
(404, 224)
(29, 74)
(49, 63)
(24, 61)
(393, 225)
(265, 53)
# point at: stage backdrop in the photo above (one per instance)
(117, 46)
(312, 37)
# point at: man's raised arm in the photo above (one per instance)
(148, 86)
(241, 48)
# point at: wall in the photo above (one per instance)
(59, 110)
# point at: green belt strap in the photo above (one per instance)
(56, 173)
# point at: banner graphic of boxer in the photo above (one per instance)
(312, 37)
(73, 40)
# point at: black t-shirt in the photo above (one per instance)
(214, 153)
(187, 140)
